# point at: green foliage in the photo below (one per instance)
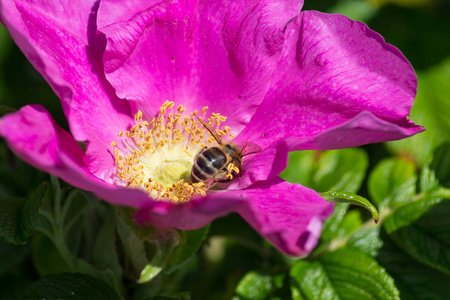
(343, 274)
(72, 286)
(392, 182)
(413, 279)
(422, 229)
(340, 170)
(431, 110)
(254, 286)
(257, 286)
(18, 216)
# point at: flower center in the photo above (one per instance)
(157, 156)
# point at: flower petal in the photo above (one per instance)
(219, 54)
(288, 215)
(262, 166)
(190, 215)
(67, 52)
(334, 70)
(34, 136)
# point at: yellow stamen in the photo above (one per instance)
(157, 156)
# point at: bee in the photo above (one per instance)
(214, 163)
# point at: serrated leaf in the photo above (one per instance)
(392, 182)
(413, 279)
(71, 286)
(347, 273)
(18, 216)
(254, 286)
(436, 171)
(422, 229)
(191, 242)
(350, 198)
(327, 170)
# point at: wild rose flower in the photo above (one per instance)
(132, 75)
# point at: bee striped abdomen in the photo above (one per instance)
(208, 163)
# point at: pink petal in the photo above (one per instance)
(219, 54)
(262, 166)
(34, 136)
(288, 215)
(335, 73)
(67, 52)
(190, 215)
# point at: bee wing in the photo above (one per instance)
(250, 148)
(211, 130)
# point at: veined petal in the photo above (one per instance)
(60, 40)
(219, 54)
(67, 52)
(34, 136)
(334, 70)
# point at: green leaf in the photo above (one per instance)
(190, 243)
(107, 276)
(105, 250)
(422, 229)
(344, 197)
(347, 273)
(392, 182)
(46, 257)
(300, 168)
(430, 110)
(11, 256)
(167, 298)
(254, 286)
(358, 10)
(327, 170)
(133, 247)
(73, 286)
(18, 216)
(413, 279)
(164, 249)
(6, 110)
(437, 170)
(366, 239)
(341, 223)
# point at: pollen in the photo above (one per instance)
(156, 155)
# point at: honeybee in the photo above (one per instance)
(213, 163)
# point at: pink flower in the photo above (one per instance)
(285, 80)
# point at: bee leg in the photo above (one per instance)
(211, 183)
(225, 178)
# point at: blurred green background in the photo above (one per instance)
(419, 28)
